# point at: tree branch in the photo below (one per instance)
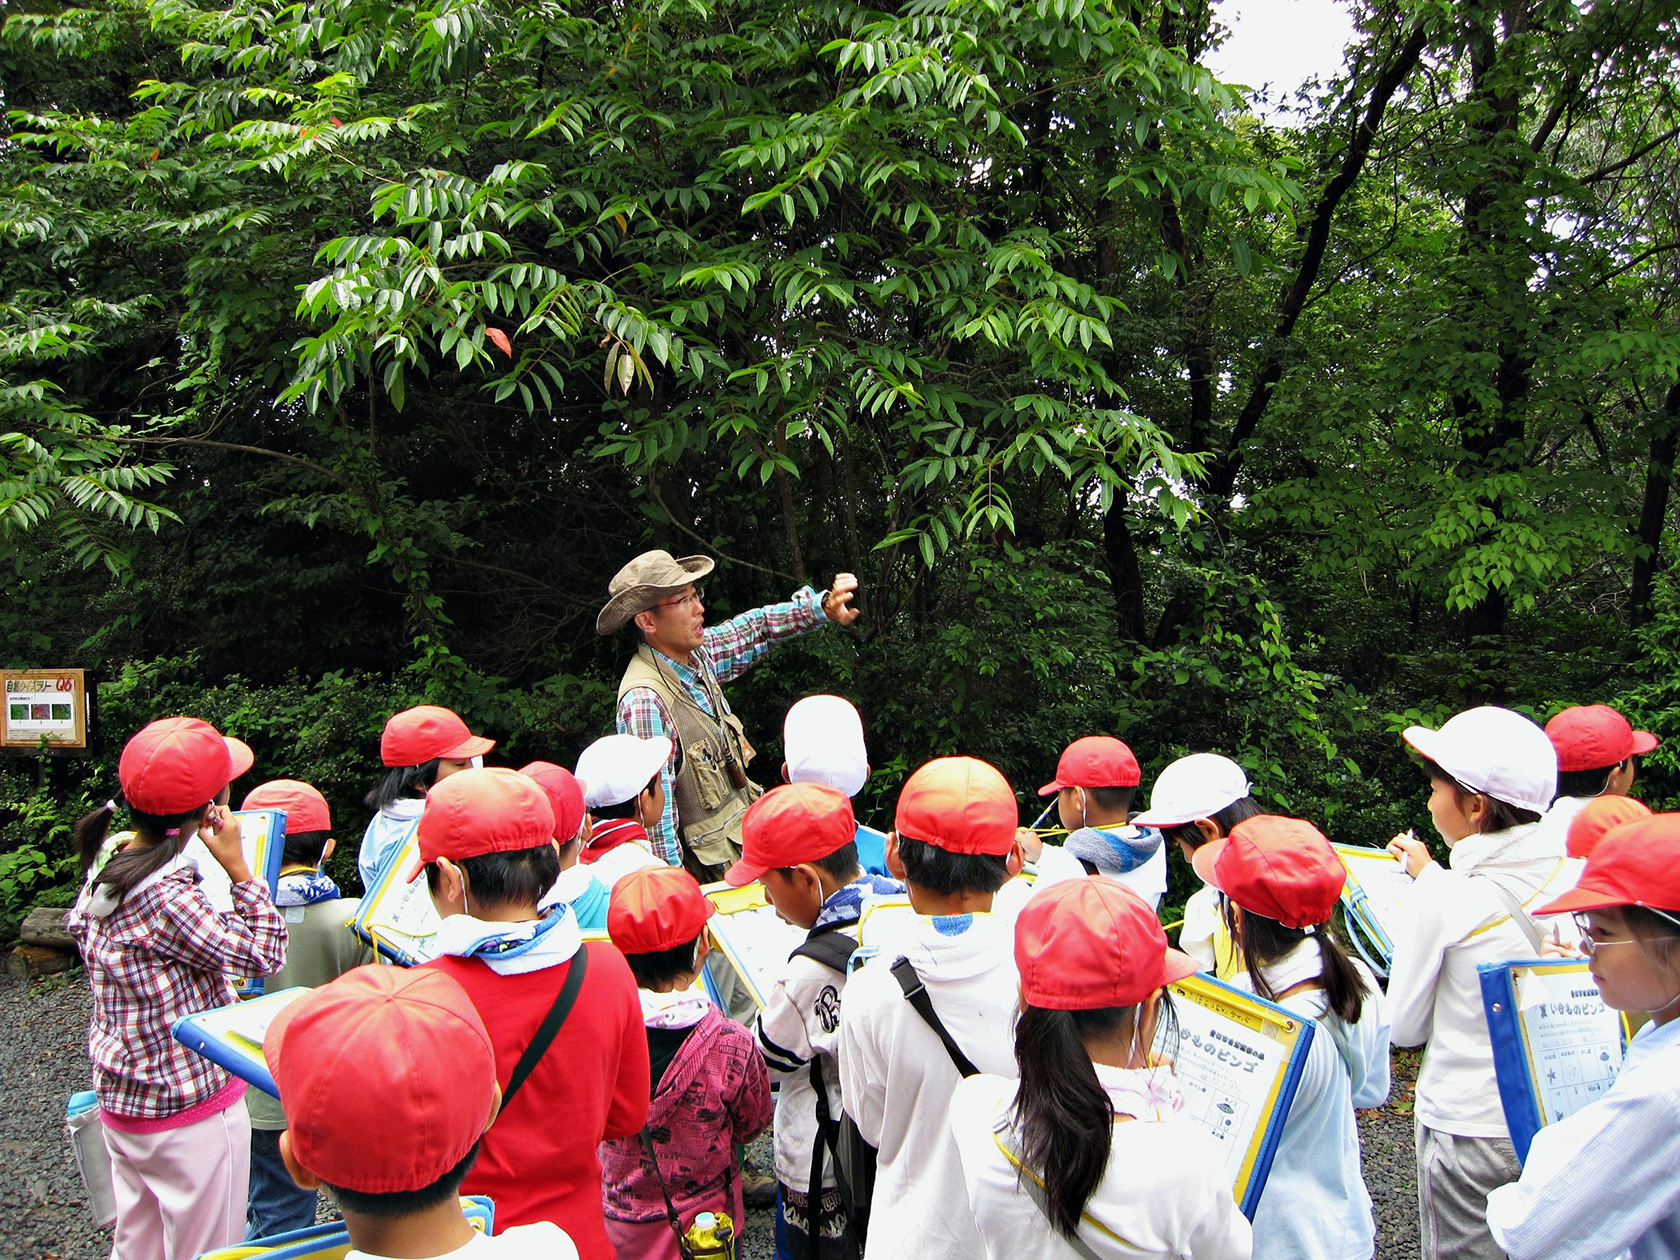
(310, 464)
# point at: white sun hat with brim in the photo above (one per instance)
(617, 767)
(1494, 752)
(646, 580)
(822, 742)
(1197, 786)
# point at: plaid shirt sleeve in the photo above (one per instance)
(249, 942)
(734, 645)
(642, 713)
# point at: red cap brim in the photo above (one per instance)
(1644, 742)
(742, 874)
(1176, 965)
(1050, 788)
(467, 749)
(1204, 858)
(1586, 897)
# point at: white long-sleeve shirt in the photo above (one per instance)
(897, 1079)
(1454, 921)
(1161, 1196)
(1606, 1179)
(1315, 1205)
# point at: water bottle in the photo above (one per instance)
(711, 1237)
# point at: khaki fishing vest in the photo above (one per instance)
(708, 804)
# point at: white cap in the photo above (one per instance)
(1197, 786)
(1495, 752)
(617, 767)
(822, 741)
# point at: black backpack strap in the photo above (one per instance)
(550, 1026)
(915, 993)
(833, 949)
(671, 1217)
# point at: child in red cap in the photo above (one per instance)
(1096, 780)
(1086, 1154)
(319, 947)
(1279, 881)
(1606, 1180)
(954, 845)
(576, 885)
(1601, 815)
(1596, 747)
(487, 844)
(420, 747)
(708, 1084)
(801, 841)
(390, 1079)
(156, 949)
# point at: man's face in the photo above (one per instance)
(679, 621)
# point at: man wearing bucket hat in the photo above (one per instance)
(672, 686)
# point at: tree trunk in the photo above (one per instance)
(1653, 511)
(1124, 577)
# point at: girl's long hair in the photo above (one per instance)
(1265, 940)
(130, 866)
(1062, 1111)
(402, 782)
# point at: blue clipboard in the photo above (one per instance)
(232, 1036)
(872, 850)
(397, 916)
(262, 835)
(1372, 902)
(330, 1240)
(1239, 1061)
(1556, 1046)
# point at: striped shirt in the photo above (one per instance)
(727, 651)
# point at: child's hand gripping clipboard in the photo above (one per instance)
(232, 1036)
(262, 837)
(397, 916)
(1556, 1046)
(1239, 1060)
(748, 932)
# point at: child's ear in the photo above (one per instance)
(305, 1179)
(327, 849)
(786, 777)
(1016, 859)
(495, 1109)
(1208, 828)
(895, 864)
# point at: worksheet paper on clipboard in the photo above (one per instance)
(747, 930)
(397, 916)
(1375, 901)
(262, 838)
(232, 1036)
(1556, 1045)
(1238, 1060)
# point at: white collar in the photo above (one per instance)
(524, 947)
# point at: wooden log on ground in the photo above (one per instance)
(30, 962)
(44, 926)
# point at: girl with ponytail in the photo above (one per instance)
(1279, 880)
(1086, 1155)
(175, 1124)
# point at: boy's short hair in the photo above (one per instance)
(405, 1202)
(1112, 800)
(304, 848)
(945, 873)
(1585, 782)
(662, 966)
(842, 863)
(503, 879)
(1239, 810)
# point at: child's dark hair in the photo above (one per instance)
(406, 1202)
(842, 863)
(1264, 940)
(304, 848)
(662, 966)
(1064, 1114)
(402, 783)
(1239, 810)
(1500, 815)
(945, 874)
(129, 867)
(1585, 782)
(505, 879)
(1657, 933)
(1111, 800)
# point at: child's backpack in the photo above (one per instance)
(854, 1158)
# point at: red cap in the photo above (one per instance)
(959, 804)
(1282, 868)
(414, 736)
(565, 797)
(794, 823)
(1600, 815)
(174, 765)
(1636, 864)
(386, 1051)
(1595, 737)
(1087, 944)
(483, 811)
(1095, 761)
(654, 908)
(240, 757)
(304, 807)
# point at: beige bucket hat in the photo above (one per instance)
(641, 584)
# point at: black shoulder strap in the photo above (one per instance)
(550, 1026)
(916, 994)
(833, 949)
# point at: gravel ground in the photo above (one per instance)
(43, 1213)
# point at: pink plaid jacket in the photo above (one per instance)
(161, 954)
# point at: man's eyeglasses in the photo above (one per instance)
(681, 601)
